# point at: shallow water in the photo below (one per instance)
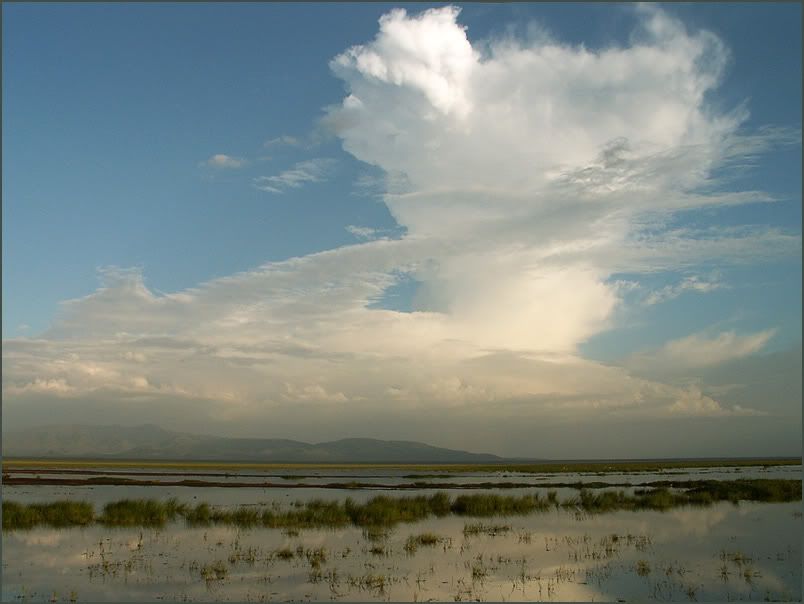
(102, 494)
(725, 552)
(751, 551)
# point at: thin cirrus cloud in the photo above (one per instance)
(688, 284)
(528, 186)
(223, 161)
(303, 172)
(699, 350)
(285, 139)
(362, 232)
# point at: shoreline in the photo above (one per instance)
(118, 481)
(10, 465)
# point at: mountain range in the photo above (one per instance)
(150, 442)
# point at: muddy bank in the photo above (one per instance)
(13, 480)
(790, 486)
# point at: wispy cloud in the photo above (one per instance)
(223, 161)
(701, 350)
(362, 232)
(374, 184)
(312, 170)
(290, 141)
(688, 284)
(698, 350)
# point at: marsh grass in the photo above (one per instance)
(215, 572)
(315, 513)
(200, 515)
(141, 512)
(56, 514)
(370, 582)
(384, 511)
(376, 534)
(479, 570)
(316, 556)
(767, 490)
(488, 529)
(642, 568)
(424, 539)
(498, 505)
(285, 553)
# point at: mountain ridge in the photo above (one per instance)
(151, 442)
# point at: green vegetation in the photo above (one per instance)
(479, 570)
(376, 533)
(141, 512)
(643, 568)
(704, 491)
(414, 541)
(385, 511)
(56, 514)
(316, 556)
(371, 582)
(284, 554)
(485, 529)
(314, 514)
(216, 571)
(200, 515)
(693, 492)
(498, 505)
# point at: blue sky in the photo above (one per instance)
(114, 115)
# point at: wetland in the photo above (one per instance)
(694, 532)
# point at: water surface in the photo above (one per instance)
(750, 551)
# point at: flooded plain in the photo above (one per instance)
(723, 551)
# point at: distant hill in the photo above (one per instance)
(152, 442)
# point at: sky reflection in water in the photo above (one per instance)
(751, 551)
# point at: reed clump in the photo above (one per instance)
(424, 539)
(56, 514)
(498, 505)
(315, 513)
(491, 530)
(215, 572)
(284, 554)
(141, 512)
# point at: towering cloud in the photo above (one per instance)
(526, 174)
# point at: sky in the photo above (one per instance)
(543, 230)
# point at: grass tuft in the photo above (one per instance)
(215, 572)
(485, 529)
(424, 539)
